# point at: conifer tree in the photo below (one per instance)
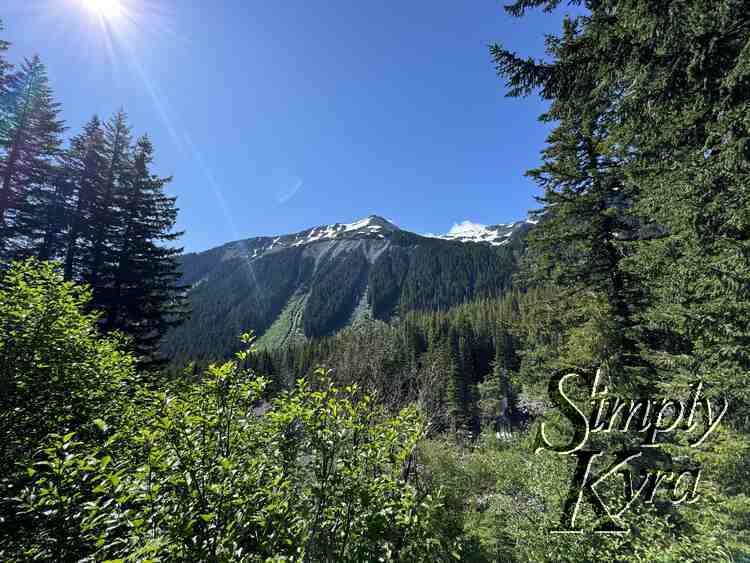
(5, 75)
(578, 244)
(84, 168)
(690, 157)
(146, 299)
(30, 139)
(458, 387)
(661, 91)
(106, 219)
(492, 401)
(42, 218)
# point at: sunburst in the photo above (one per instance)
(105, 9)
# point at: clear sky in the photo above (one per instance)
(274, 116)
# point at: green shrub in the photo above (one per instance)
(206, 471)
(57, 374)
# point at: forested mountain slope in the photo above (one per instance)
(315, 282)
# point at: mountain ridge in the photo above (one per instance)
(319, 280)
(466, 231)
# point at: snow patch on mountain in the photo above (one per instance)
(469, 231)
(372, 227)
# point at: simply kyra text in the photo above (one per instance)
(657, 420)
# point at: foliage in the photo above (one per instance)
(57, 374)
(509, 499)
(98, 464)
(207, 471)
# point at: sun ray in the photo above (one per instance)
(119, 21)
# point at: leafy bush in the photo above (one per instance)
(199, 473)
(99, 466)
(57, 374)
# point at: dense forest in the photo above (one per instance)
(417, 436)
(456, 364)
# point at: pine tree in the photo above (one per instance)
(84, 168)
(458, 385)
(690, 157)
(146, 299)
(578, 244)
(30, 139)
(493, 399)
(651, 100)
(106, 228)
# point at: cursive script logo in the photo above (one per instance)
(657, 420)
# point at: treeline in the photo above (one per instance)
(437, 275)
(93, 204)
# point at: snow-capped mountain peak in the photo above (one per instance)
(373, 228)
(495, 235)
(371, 225)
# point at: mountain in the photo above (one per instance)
(495, 235)
(317, 281)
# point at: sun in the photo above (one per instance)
(107, 9)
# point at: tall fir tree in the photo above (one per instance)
(689, 155)
(30, 141)
(5, 75)
(578, 245)
(458, 385)
(84, 167)
(106, 222)
(664, 88)
(146, 298)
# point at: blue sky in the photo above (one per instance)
(277, 116)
